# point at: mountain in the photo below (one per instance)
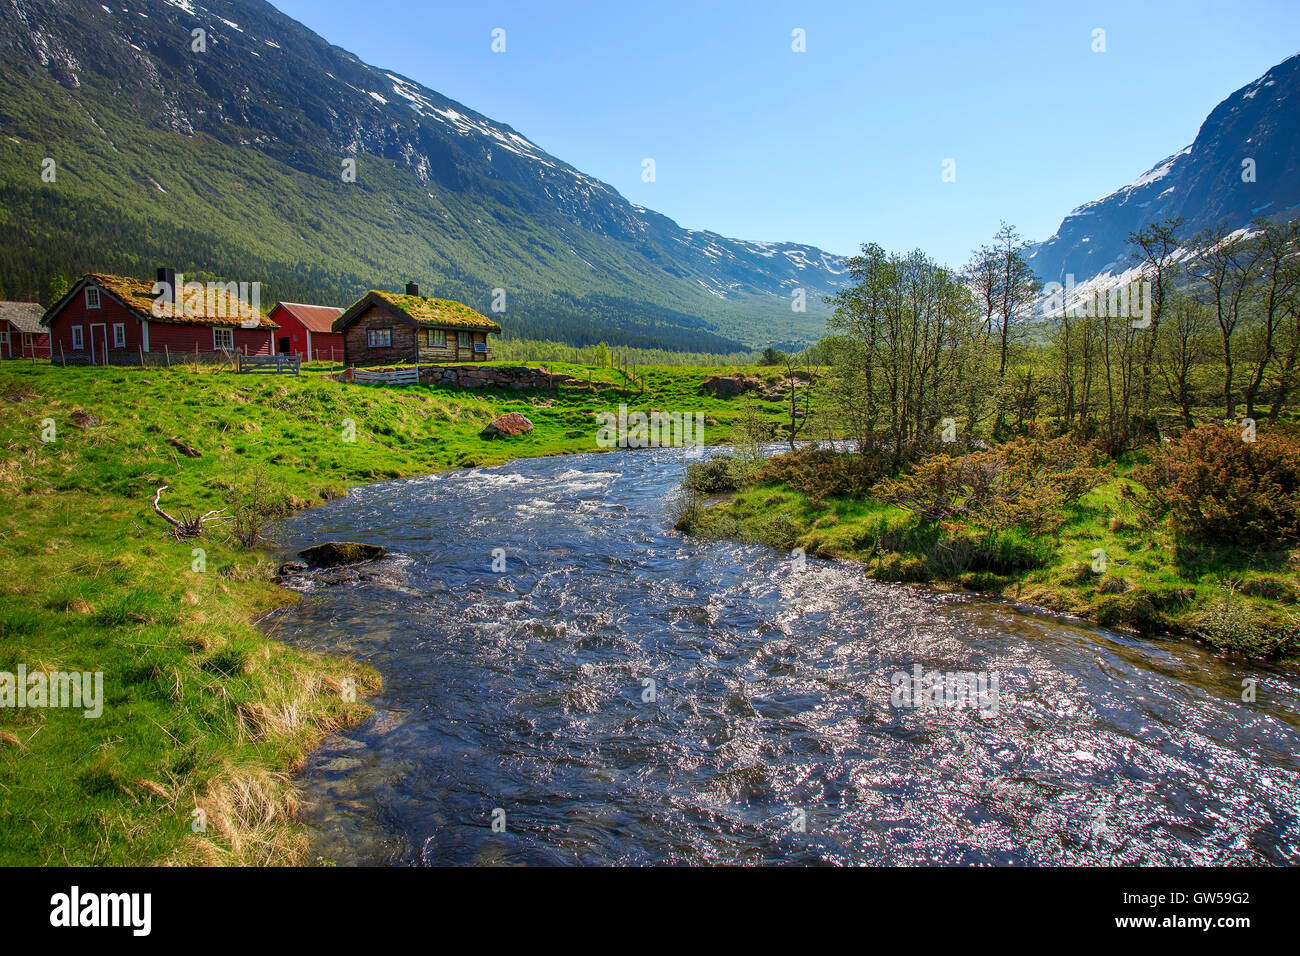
(229, 161)
(1201, 183)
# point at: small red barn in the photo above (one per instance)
(112, 320)
(21, 332)
(307, 331)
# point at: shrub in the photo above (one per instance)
(1229, 623)
(715, 476)
(684, 509)
(256, 505)
(1024, 482)
(997, 552)
(778, 530)
(823, 473)
(1220, 489)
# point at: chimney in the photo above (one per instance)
(169, 276)
(412, 289)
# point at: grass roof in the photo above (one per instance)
(438, 313)
(215, 307)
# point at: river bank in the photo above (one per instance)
(206, 718)
(1104, 560)
(613, 692)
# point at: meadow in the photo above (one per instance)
(207, 717)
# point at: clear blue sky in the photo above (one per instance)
(844, 143)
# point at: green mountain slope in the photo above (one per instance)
(229, 162)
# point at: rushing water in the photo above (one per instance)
(525, 691)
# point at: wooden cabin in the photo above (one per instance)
(115, 320)
(21, 334)
(385, 328)
(308, 331)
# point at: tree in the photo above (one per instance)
(1002, 283)
(1155, 248)
(1225, 265)
(911, 327)
(799, 417)
(57, 289)
(1273, 299)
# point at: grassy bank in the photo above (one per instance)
(203, 711)
(1107, 562)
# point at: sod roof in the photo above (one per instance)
(427, 312)
(137, 295)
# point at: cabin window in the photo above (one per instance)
(223, 339)
(92, 297)
(462, 340)
(119, 335)
(379, 338)
(4, 338)
(435, 338)
(78, 341)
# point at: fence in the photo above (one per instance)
(392, 376)
(275, 364)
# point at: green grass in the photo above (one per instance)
(1151, 584)
(203, 710)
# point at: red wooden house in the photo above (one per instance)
(21, 332)
(307, 331)
(111, 320)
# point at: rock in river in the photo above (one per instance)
(333, 554)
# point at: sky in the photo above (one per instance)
(845, 142)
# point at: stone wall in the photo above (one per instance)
(493, 376)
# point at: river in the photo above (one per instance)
(622, 694)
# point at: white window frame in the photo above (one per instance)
(4, 336)
(78, 338)
(119, 335)
(92, 297)
(226, 334)
(435, 338)
(463, 340)
(373, 340)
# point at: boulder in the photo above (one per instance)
(334, 554)
(507, 426)
(728, 386)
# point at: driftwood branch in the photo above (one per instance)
(186, 526)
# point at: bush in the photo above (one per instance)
(1229, 623)
(715, 476)
(256, 505)
(1024, 482)
(998, 553)
(823, 473)
(684, 509)
(778, 530)
(1220, 489)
